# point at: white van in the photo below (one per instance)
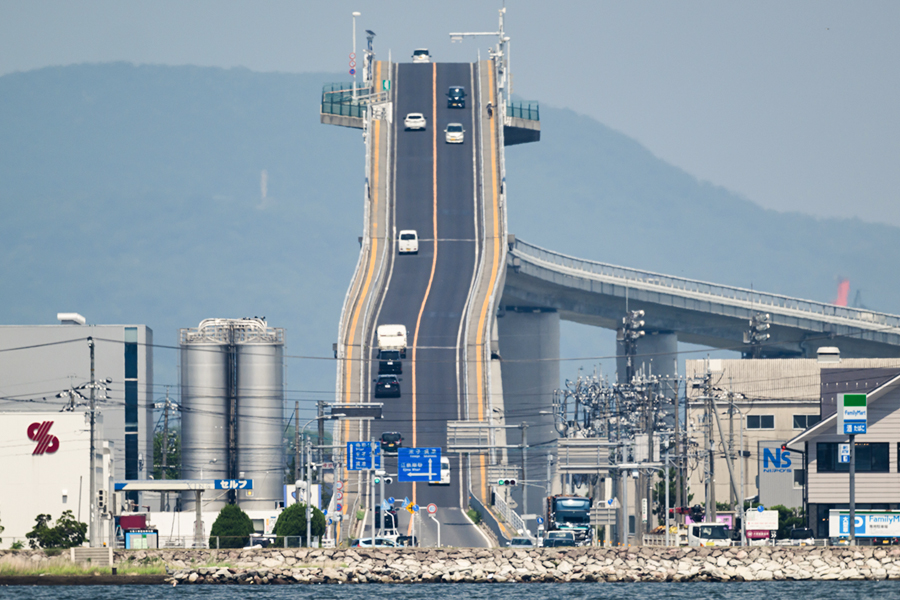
(445, 473)
(708, 534)
(409, 242)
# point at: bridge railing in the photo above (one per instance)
(763, 300)
(524, 110)
(337, 99)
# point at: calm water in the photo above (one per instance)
(799, 590)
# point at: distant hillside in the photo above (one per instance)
(133, 194)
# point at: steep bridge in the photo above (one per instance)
(482, 308)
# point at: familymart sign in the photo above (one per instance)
(852, 414)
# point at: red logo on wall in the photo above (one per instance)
(40, 433)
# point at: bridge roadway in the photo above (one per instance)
(434, 193)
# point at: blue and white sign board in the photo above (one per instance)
(419, 464)
(867, 524)
(362, 456)
(234, 484)
(852, 414)
(844, 453)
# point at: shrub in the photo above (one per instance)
(233, 528)
(474, 515)
(67, 532)
(291, 523)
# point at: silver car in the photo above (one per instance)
(454, 133)
(421, 55)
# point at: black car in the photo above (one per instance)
(389, 363)
(456, 97)
(387, 386)
(559, 543)
(391, 441)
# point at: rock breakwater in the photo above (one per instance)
(357, 565)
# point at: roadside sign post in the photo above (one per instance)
(432, 508)
(852, 419)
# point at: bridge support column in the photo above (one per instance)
(656, 354)
(528, 335)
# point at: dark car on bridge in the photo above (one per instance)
(391, 441)
(456, 97)
(387, 386)
(389, 362)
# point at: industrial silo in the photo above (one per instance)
(232, 409)
(260, 416)
(205, 358)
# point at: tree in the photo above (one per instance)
(788, 518)
(659, 494)
(173, 460)
(67, 533)
(291, 523)
(233, 528)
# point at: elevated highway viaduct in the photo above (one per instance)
(475, 298)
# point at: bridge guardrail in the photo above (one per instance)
(864, 318)
(337, 99)
(524, 110)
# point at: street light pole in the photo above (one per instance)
(92, 484)
(355, 14)
(308, 492)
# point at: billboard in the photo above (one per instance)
(777, 475)
(869, 523)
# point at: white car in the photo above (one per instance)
(455, 134)
(421, 55)
(409, 242)
(415, 121)
(445, 473)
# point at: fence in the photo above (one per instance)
(524, 110)
(337, 99)
(509, 515)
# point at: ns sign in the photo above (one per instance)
(776, 460)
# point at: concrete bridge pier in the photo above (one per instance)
(529, 351)
(657, 354)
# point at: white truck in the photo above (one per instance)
(708, 534)
(392, 337)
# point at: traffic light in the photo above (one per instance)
(759, 323)
(507, 482)
(101, 501)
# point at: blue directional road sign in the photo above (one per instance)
(362, 456)
(234, 484)
(419, 464)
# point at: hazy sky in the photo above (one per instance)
(792, 104)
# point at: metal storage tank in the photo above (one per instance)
(235, 363)
(260, 416)
(204, 406)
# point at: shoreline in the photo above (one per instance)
(273, 566)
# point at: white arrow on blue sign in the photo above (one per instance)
(419, 464)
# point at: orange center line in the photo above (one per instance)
(434, 258)
(479, 341)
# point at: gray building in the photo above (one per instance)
(44, 366)
(877, 465)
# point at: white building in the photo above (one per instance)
(43, 373)
(45, 458)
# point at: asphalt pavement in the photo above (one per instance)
(434, 188)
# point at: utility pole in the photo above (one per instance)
(93, 485)
(165, 447)
(524, 427)
(679, 501)
(296, 445)
(308, 492)
(320, 414)
(732, 492)
(710, 458)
